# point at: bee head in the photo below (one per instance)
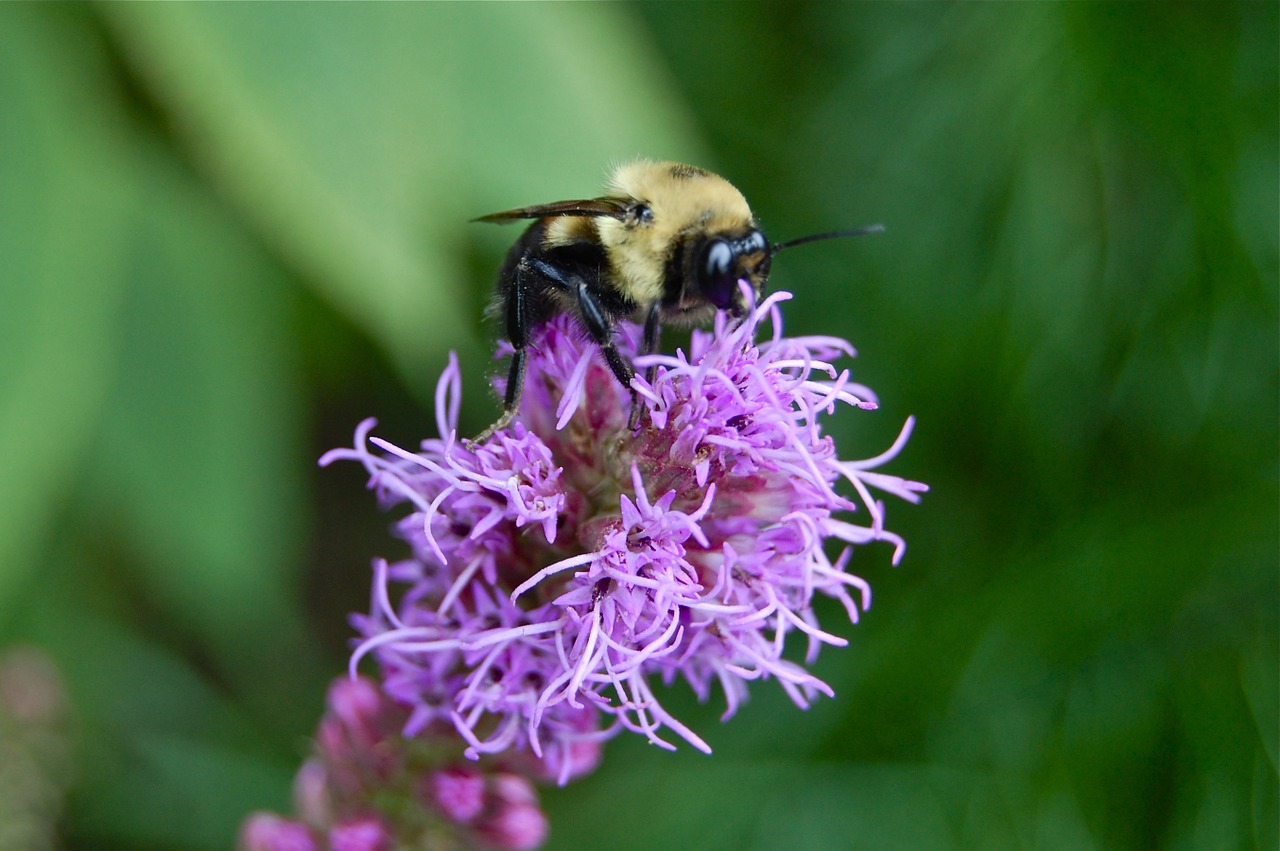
(723, 260)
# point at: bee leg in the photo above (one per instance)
(652, 330)
(518, 336)
(591, 313)
(511, 402)
(596, 321)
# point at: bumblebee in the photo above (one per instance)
(666, 244)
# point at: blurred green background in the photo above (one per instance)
(230, 232)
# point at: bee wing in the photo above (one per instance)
(611, 207)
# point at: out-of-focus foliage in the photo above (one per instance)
(230, 231)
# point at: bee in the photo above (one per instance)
(666, 244)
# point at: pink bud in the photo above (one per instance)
(311, 793)
(575, 759)
(270, 832)
(513, 789)
(365, 833)
(515, 827)
(354, 701)
(458, 793)
(357, 706)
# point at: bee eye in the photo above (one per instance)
(716, 277)
(643, 214)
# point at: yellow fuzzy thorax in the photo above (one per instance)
(685, 200)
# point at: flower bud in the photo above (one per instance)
(458, 793)
(514, 827)
(357, 707)
(270, 832)
(365, 833)
(512, 789)
(311, 793)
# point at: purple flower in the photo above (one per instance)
(566, 569)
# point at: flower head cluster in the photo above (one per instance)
(565, 569)
(368, 788)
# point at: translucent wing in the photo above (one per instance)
(612, 207)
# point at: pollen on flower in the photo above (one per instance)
(567, 569)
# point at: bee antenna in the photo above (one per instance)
(835, 234)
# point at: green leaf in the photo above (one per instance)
(165, 760)
(760, 804)
(68, 195)
(1258, 665)
(198, 462)
(360, 139)
(194, 795)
